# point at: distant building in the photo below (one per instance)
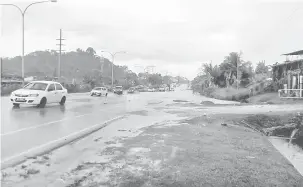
(289, 75)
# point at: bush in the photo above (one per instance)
(78, 88)
(231, 94)
(208, 92)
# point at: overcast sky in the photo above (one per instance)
(173, 35)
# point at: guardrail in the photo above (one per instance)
(291, 93)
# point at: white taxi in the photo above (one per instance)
(99, 91)
(39, 93)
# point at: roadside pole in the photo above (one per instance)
(60, 51)
(238, 72)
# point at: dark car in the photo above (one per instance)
(118, 90)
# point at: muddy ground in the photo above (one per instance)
(184, 148)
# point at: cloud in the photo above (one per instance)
(170, 33)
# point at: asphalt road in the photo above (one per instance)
(28, 127)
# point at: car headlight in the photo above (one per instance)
(33, 95)
(12, 94)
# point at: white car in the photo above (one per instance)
(99, 91)
(39, 93)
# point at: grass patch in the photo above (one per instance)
(195, 155)
(230, 94)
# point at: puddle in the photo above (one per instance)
(292, 152)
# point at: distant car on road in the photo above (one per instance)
(150, 89)
(39, 93)
(99, 91)
(131, 90)
(162, 89)
(118, 90)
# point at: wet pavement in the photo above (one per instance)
(28, 127)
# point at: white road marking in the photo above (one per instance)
(52, 122)
(59, 139)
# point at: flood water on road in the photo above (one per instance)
(292, 152)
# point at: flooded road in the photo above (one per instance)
(292, 152)
(26, 128)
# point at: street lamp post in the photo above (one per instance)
(113, 59)
(23, 15)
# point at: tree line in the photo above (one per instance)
(234, 72)
(79, 67)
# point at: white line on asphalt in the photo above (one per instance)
(49, 123)
(61, 139)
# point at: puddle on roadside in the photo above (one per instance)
(293, 153)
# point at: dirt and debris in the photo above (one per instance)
(281, 125)
(207, 103)
(180, 101)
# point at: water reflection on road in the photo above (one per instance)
(292, 152)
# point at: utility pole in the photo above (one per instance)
(101, 68)
(238, 71)
(1, 66)
(60, 51)
(102, 64)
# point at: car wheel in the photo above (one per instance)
(62, 102)
(16, 105)
(92, 94)
(42, 102)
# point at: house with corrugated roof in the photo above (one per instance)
(289, 75)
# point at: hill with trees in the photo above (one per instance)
(80, 67)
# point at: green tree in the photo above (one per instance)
(155, 79)
(91, 51)
(212, 73)
(261, 68)
(229, 67)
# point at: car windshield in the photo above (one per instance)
(36, 86)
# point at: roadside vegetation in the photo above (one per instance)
(234, 79)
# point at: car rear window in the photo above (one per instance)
(97, 88)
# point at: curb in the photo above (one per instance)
(55, 144)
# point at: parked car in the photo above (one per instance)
(39, 93)
(118, 90)
(131, 90)
(150, 89)
(162, 89)
(99, 91)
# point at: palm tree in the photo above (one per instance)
(229, 67)
(211, 73)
